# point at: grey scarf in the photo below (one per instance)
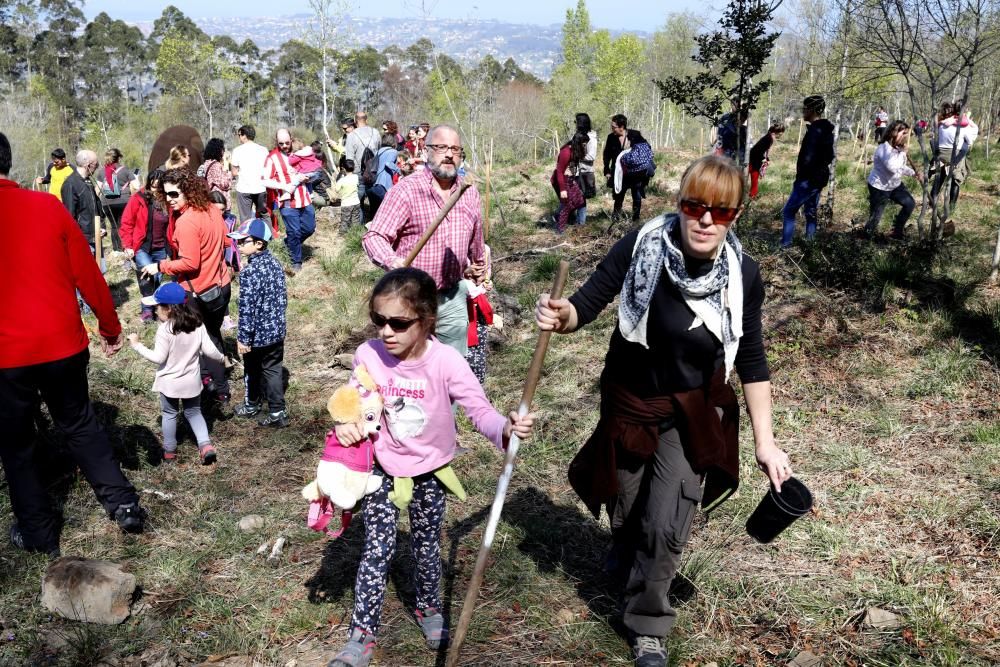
(716, 298)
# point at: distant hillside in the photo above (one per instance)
(535, 48)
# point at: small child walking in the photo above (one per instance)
(260, 332)
(418, 377)
(760, 156)
(347, 193)
(181, 339)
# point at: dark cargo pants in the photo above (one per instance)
(650, 523)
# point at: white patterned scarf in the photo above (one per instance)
(716, 298)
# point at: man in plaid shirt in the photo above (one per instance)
(455, 251)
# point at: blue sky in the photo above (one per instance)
(645, 15)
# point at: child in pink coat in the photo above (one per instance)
(419, 378)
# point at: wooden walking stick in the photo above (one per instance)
(486, 217)
(466, 184)
(534, 372)
(98, 250)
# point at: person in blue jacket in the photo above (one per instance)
(385, 166)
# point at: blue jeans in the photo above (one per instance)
(300, 223)
(805, 196)
(148, 285)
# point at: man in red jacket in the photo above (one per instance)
(44, 355)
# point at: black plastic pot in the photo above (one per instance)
(778, 511)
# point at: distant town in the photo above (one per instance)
(536, 49)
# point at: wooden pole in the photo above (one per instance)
(466, 184)
(534, 373)
(98, 250)
(489, 171)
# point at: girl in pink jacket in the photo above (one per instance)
(419, 378)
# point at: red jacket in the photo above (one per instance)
(558, 179)
(42, 264)
(200, 238)
(135, 220)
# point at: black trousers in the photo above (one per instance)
(262, 376)
(112, 212)
(636, 184)
(877, 200)
(63, 386)
(213, 324)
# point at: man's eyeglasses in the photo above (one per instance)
(397, 324)
(171, 194)
(284, 143)
(441, 149)
(697, 210)
(245, 240)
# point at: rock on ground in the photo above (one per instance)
(94, 591)
(880, 619)
(806, 659)
(251, 522)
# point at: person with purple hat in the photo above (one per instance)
(181, 340)
(260, 335)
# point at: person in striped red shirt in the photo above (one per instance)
(287, 189)
(455, 251)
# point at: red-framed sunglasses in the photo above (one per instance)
(696, 209)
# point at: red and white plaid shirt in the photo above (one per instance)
(408, 210)
(277, 169)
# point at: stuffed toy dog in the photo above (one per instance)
(344, 475)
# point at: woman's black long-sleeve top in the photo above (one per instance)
(678, 358)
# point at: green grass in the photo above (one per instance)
(884, 371)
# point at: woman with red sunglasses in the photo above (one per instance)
(689, 313)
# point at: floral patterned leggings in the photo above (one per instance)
(380, 516)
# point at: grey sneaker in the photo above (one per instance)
(431, 623)
(358, 651)
(649, 651)
(275, 419)
(247, 409)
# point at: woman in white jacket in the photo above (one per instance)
(885, 182)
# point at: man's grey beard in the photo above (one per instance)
(441, 174)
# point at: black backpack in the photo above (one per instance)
(369, 167)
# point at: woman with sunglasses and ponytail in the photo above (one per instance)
(419, 378)
(198, 239)
(689, 314)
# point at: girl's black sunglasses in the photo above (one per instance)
(397, 324)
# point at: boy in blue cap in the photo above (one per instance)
(260, 334)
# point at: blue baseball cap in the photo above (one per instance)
(166, 294)
(254, 227)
